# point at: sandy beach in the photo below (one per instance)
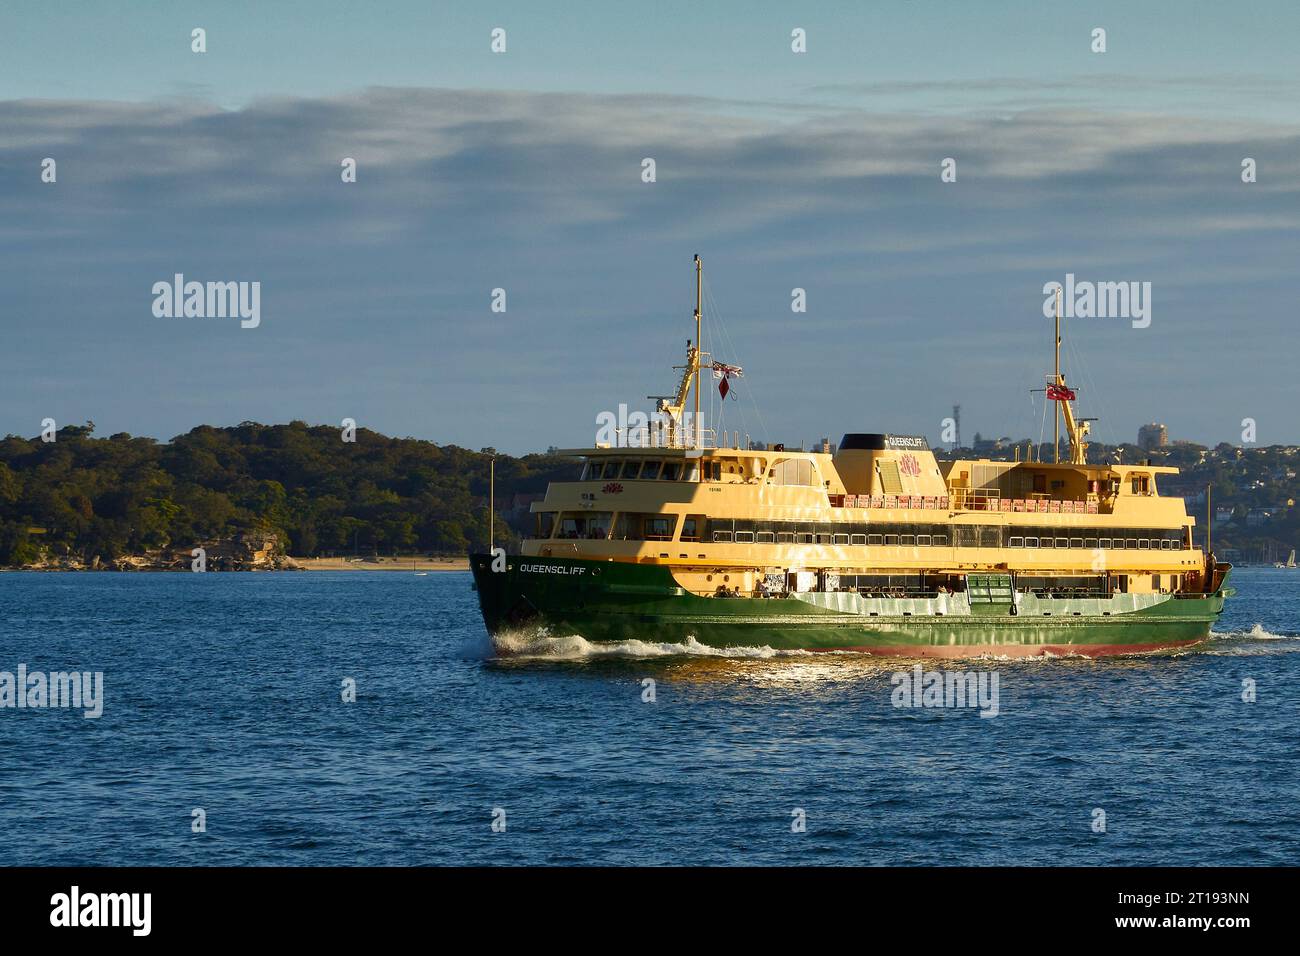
(383, 564)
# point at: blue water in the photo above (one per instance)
(223, 692)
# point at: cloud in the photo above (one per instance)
(375, 293)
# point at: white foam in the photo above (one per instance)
(574, 647)
(1256, 633)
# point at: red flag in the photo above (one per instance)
(1059, 393)
(722, 372)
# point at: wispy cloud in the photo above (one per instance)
(462, 191)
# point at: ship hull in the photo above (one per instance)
(609, 602)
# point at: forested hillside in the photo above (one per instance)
(120, 495)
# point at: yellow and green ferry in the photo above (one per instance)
(670, 536)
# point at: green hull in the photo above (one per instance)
(616, 601)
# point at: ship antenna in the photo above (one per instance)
(1209, 519)
(1076, 429)
(699, 344)
(1056, 408)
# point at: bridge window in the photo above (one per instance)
(792, 471)
(659, 527)
(672, 469)
(592, 525)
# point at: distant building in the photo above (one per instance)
(519, 503)
(1258, 516)
(1153, 436)
(988, 445)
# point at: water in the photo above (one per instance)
(222, 692)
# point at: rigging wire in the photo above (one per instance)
(1085, 374)
(725, 337)
(1042, 424)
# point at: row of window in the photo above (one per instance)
(637, 469)
(632, 526)
(791, 471)
(941, 536)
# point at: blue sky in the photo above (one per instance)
(522, 171)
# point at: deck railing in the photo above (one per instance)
(967, 500)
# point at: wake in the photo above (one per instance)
(541, 646)
(1244, 643)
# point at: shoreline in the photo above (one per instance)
(291, 564)
(381, 564)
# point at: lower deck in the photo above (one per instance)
(988, 615)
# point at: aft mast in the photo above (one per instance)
(699, 344)
(674, 407)
(1062, 395)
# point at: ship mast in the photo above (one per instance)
(695, 425)
(674, 406)
(1056, 380)
(1074, 429)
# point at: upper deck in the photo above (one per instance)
(773, 481)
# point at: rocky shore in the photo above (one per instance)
(247, 551)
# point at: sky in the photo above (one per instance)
(523, 171)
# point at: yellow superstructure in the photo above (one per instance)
(880, 507)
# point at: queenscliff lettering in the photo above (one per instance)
(209, 300)
(102, 909)
(917, 442)
(37, 690)
(550, 569)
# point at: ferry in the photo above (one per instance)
(670, 535)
